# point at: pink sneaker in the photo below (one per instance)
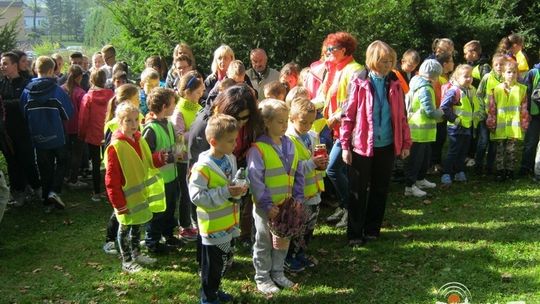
(188, 234)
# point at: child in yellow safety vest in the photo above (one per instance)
(508, 119)
(127, 93)
(159, 134)
(485, 90)
(212, 191)
(190, 89)
(133, 185)
(461, 109)
(422, 114)
(301, 117)
(275, 174)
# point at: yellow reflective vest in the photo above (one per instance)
(144, 188)
(277, 180)
(423, 128)
(222, 218)
(509, 111)
(313, 180)
(165, 141)
(466, 108)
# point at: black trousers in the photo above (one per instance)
(416, 165)
(187, 214)
(366, 207)
(75, 151)
(213, 265)
(21, 163)
(95, 156)
(437, 146)
(112, 228)
(52, 165)
(163, 223)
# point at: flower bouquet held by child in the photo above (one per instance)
(289, 222)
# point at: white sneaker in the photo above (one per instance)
(336, 216)
(283, 282)
(110, 248)
(267, 287)
(414, 191)
(55, 199)
(344, 219)
(425, 184)
(470, 162)
(131, 267)
(144, 259)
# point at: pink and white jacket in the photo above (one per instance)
(356, 130)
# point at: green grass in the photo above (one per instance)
(473, 234)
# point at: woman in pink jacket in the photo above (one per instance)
(373, 132)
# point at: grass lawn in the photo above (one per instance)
(482, 234)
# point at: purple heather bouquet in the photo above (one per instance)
(290, 221)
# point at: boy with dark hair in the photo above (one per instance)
(77, 58)
(46, 106)
(14, 139)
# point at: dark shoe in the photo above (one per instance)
(174, 242)
(357, 242)
(210, 302)
(500, 176)
(160, 249)
(293, 265)
(304, 260)
(509, 174)
(224, 297)
(370, 237)
(524, 172)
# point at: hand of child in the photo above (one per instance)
(321, 161)
(167, 157)
(273, 212)
(333, 120)
(235, 190)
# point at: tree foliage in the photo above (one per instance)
(8, 34)
(293, 30)
(66, 18)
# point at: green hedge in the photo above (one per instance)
(293, 30)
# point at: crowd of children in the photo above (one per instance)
(172, 145)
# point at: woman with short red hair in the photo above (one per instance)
(340, 66)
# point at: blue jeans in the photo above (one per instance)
(483, 144)
(458, 146)
(337, 173)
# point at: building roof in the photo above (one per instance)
(5, 4)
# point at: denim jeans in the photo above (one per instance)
(416, 165)
(483, 144)
(337, 173)
(458, 146)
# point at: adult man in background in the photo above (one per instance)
(260, 74)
